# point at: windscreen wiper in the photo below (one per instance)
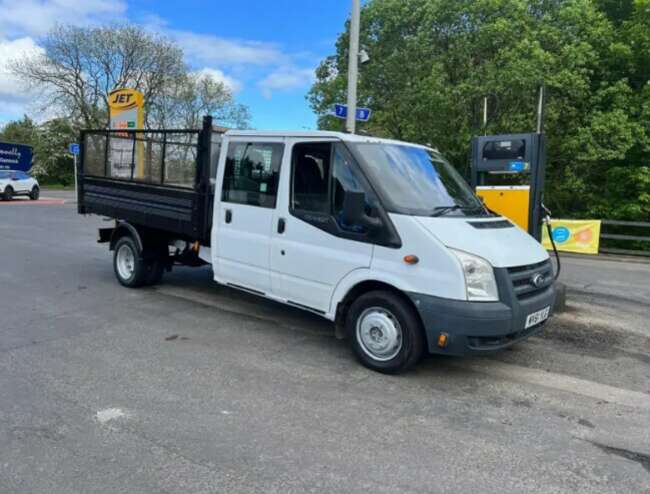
(440, 210)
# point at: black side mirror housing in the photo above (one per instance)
(354, 212)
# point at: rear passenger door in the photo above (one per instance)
(248, 188)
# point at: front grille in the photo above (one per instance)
(522, 279)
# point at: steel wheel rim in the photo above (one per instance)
(379, 334)
(125, 262)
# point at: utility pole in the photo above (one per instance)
(540, 110)
(353, 67)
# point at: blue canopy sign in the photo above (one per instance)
(15, 157)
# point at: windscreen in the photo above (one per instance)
(417, 181)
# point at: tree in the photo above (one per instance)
(52, 160)
(433, 62)
(184, 103)
(19, 131)
(49, 141)
(80, 66)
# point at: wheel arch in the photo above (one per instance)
(124, 229)
(358, 289)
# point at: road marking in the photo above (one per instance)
(43, 201)
(109, 414)
(559, 382)
(493, 368)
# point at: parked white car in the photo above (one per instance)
(17, 183)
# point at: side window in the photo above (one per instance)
(345, 181)
(251, 174)
(310, 178)
(322, 174)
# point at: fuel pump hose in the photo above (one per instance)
(549, 229)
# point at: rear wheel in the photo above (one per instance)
(8, 193)
(130, 270)
(385, 332)
(35, 193)
(156, 265)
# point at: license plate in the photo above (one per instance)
(537, 317)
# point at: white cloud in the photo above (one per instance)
(15, 98)
(230, 82)
(286, 78)
(37, 17)
(213, 50)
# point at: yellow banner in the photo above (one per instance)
(581, 236)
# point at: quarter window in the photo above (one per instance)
(251, 174)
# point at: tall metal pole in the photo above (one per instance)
(540, 110)
(353, 67)
(76, 186)
(485, 104)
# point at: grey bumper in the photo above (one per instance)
(481, 326)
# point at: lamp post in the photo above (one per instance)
(353, 67)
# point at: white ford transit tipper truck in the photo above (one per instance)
(383, 238)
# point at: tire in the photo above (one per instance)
(155, 271)
(130, 270)
(385, 331)
(156, 266)
(35, 193)
(8, 193)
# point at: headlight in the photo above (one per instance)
(479, 277)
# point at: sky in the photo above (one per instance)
(264, 50)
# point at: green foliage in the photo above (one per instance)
(52, 163)
(434, 61)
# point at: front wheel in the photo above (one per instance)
(128, 265)
(385, 331)
(8, 194)
(35, 193)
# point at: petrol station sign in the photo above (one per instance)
(126, 113)
(127, 109)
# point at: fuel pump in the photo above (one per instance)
(508, 171)
(496, 160)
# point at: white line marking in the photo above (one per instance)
(560, 382)
(108, 414)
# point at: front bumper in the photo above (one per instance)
(474, 327)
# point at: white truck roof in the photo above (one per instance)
(321, 134)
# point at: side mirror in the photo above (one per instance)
(354, 213)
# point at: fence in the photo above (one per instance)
(634, 243)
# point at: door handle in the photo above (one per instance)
(282, 224)
(228, 215)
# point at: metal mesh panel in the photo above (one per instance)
(180, 159)
(94, 154)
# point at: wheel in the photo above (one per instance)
(155, 271)
(128, 265)
(385, 332)
(8, 194)
(35, 193)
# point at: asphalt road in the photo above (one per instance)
(193, 388)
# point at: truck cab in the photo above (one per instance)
(384, 238)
